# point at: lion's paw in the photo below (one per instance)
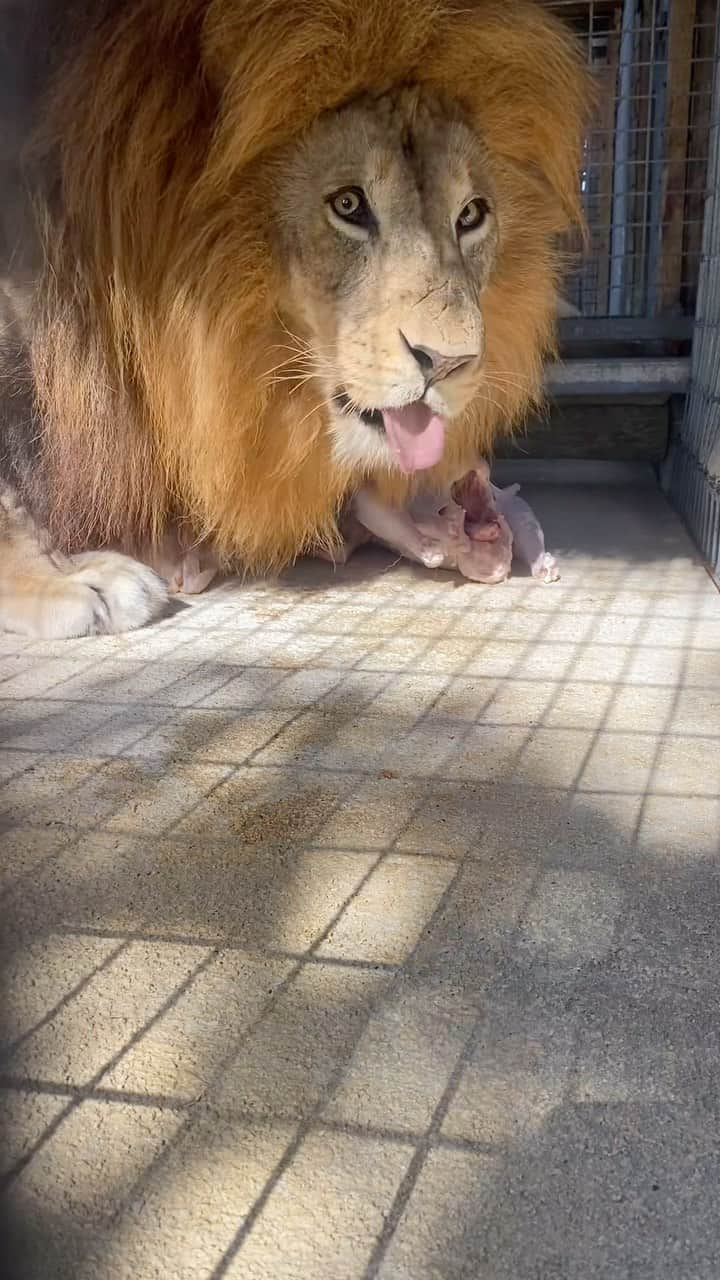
(109, 592)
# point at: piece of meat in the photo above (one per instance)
(464, 532)
(488, 557)
(528, 537)
(475, 529)
(488, 560)
(475, 494)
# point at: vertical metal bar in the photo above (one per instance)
(656, 155)
(621, 166)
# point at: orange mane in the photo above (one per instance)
(158, 309)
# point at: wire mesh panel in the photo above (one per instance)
(692, 474)
(645, 156)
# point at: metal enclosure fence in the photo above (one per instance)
(692, 472)
(645, 159)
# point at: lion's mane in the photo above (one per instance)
(156, 314)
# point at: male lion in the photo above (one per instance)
(254, 255)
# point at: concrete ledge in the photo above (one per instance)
(574, 472)
(621, 377)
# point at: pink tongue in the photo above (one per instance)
(416, 436)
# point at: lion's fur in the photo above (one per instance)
(157, 311)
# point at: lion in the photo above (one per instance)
(258, 254)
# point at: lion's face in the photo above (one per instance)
(387, 230)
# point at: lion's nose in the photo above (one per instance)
(436, 365)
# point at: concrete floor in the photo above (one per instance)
(364, 924)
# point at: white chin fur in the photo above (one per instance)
(359, 446)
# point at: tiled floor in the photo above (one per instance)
(365, 924)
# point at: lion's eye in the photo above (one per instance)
(472, 216)
(351, 205)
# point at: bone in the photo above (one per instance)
(528, 537)
(428, 542)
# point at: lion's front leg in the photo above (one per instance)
(50, 596)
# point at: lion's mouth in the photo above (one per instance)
(371, 417)
(415, 434)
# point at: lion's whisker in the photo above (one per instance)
(323, 404)
(491, 375)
